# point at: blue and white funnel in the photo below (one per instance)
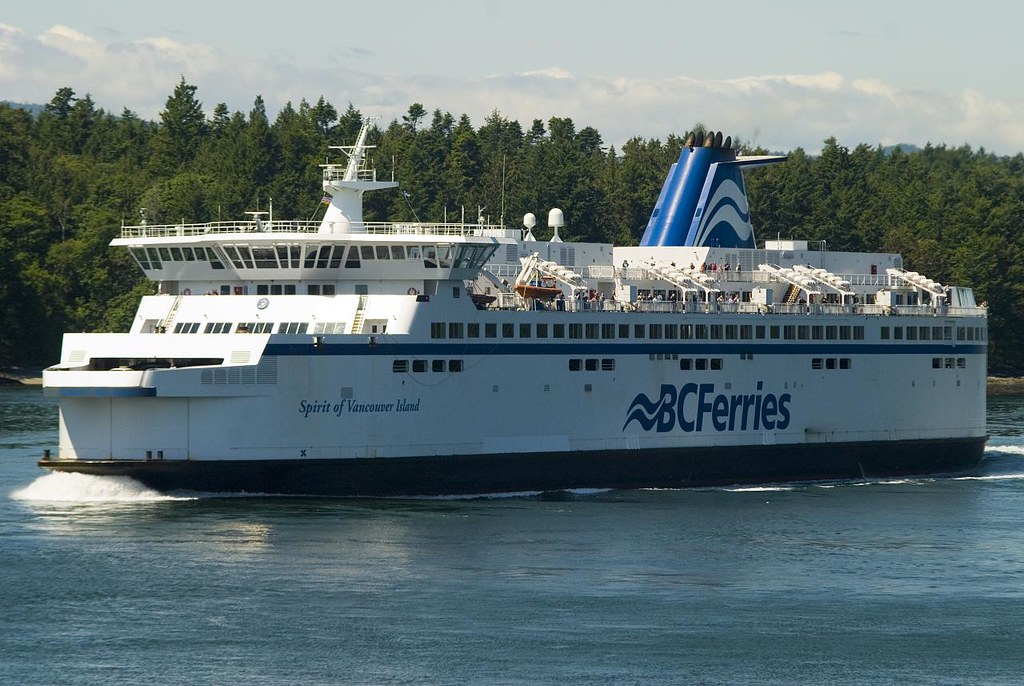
(704, 202)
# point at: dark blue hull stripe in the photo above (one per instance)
(525, 472)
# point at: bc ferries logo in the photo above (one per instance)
(694, 407)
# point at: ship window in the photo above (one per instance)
(591, 330)
(524, 330)
(225, 289)
(947, 333)
(329, 328)
(654, 331)
(186, 327)
(444, 255)
(897, 333)
(165, 254)
(672, 331)
(275, 289)
(289, 289)
(414, 252)
(607, 331)
(437, 330)
(336, 257)
(398, 252)
(508, 330)
(140, 256)
(491, 330)
(789, 332)
(575, 364)
(746, 332)
(558, 331)
(773, 332)
(366, 252)
(759, 331)
(323, 257)
(310, 258)
(685, 364)
(214, 259)
(949, 362)
(716, 332)
(731, 332)
(936, 333)
(844, 333)
(817, 363)
(590, 364)
(243, 251)
(265, 258)
(803, 332)
(884, 333)
(844, 362)
(262, 289)
(455, 365)
(607, 364)
(700, 331)
(623, 330)
(437, 365)
(154, 259)
(575, 331)
(382, 252)
(831, 332)
(176, 255)
(858, 333)
(455, 330)
(542, 331)
(936, 363)
(700, 364)
(716, 362)
(911, 333)
(830, 363)
(473, 330)
(353, 259)
(429, 256)
(419, 365)
(639, 330)
(960, 333)
(400, 366)
(292, 327)
(961, 362)
(217, 327)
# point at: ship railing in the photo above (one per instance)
(373, 228)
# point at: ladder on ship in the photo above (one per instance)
(792, 295)
(357, 321)
(169, 319)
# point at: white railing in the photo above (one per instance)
(277, 227)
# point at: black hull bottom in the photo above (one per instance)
(525, 472)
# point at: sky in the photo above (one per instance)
(781, 74)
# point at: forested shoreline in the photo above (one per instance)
(72, 174)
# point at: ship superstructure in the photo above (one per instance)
(344, 357)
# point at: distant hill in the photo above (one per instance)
(904, 147)
(31, 108)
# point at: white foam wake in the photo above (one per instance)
(86, 488)
(1005, 449)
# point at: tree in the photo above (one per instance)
(183, 129)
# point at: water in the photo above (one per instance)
(917, 581)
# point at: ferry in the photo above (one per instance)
(343, 357)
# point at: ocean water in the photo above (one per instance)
(914, 581)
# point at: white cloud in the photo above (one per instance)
(779, 111)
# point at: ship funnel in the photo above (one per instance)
(703, 202)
